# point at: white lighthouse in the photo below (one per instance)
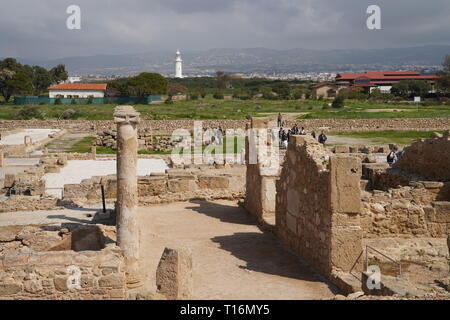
(178, 66)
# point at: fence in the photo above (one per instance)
(43, 100)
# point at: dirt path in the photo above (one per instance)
(232, 258)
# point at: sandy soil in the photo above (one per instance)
(232, 258)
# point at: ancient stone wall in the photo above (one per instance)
(318, 206)
(168, 126)
(176, 185)
(28, 203)
(60, 262)
(428, 158)
(146, 140)
(46, 275)
(404, 212)
(397, 203)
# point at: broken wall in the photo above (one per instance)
(318, 205)
(262, 172)
(176, 185)
(428, 158)
(98, 275)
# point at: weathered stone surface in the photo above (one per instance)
(174, 274)
(428, 158)
(112, 280)
(7, 289)
(61, 283)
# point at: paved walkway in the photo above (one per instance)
(232, 258)
(78, 170)
(35, 134)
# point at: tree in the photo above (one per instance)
(118, 88)
(410, 88)
(222, 80)
(283, 90)
(147, 83)
(59, 73)
(338, 102)
(14, 78)
(176, 88)
(443, 82)
(41, 79)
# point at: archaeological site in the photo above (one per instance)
(310, 222)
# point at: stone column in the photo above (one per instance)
(127, 119)
(2, 159)
(94, 152)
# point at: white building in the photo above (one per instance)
(73, 79)
(178, 65)
(78, 90)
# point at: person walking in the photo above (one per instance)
(323, 138)
(280, 120)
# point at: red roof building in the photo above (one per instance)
(381, 79)
(78, 90)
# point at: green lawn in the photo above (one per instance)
(389, 136)
(83, 146)
(234, 109)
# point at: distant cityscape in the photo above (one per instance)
(296, 64)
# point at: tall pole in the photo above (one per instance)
(127, 120)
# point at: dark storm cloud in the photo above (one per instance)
(31, 28)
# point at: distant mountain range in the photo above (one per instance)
(253, 60)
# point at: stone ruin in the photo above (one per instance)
(333, 205)
(78, 261)
(329, 206)
(146, 140)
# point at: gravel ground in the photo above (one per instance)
(79, 170)
(35, 134)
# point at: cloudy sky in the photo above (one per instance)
(37, 29)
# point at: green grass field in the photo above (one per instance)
(210, 108)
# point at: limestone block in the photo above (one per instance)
(346, 247)
(341, 149)
(7, 289)
(181, 185)
(345, 174)
(213, 182)
(115, 280)
(152, 186)
(174, 274)
(442, 212)
(9, 180)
